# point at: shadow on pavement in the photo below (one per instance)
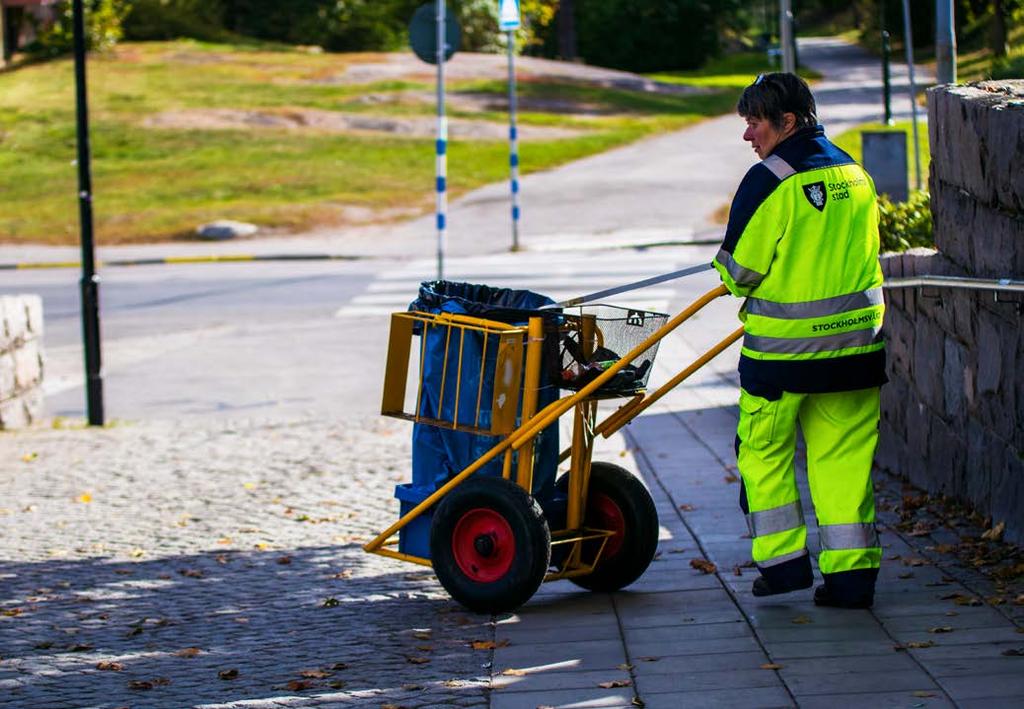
(214, 628)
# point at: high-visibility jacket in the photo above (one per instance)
(802, 247)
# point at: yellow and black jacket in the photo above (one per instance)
(802, 247)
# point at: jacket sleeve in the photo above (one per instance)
(755, 224)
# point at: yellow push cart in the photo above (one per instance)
(491, 531)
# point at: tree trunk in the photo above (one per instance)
(567, 30)
(998, 29)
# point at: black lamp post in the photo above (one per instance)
(90, 282)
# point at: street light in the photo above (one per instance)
(90, 282)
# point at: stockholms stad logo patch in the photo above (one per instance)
(816, 195)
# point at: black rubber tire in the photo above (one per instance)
(633, 553)
(526, 538)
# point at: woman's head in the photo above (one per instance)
(775, 106)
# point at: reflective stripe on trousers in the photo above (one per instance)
(836, 537)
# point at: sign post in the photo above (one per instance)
(435, 37)
(908, 40)
(508, 19)
(90, 282)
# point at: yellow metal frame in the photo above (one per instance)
(510, 343)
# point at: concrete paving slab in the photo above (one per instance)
(640, 648)
(537, 681)
(973, 667)
(963, 652)
(682, 664)
(985, 686)
(540, 633)
(962, 637)
(830, 633)
(755, 698)
(724, 613)
(706, 681)
(564, 699)
(687, 632)
(585, 655)
(786, 651)
(863, 665)
(924, 697)
(990, 703)
(806, 614)
(853, 682)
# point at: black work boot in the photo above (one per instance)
(847, 589)
(792, 575)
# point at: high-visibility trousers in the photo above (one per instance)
(840, 432)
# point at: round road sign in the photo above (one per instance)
(423, 33)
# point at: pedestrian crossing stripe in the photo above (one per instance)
(560, 277)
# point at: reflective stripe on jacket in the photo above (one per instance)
(802, 246)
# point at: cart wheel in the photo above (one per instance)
(619, 502)
(490, 545)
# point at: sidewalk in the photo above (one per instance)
(171, 564)
(939, 635)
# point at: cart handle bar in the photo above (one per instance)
(552, 411)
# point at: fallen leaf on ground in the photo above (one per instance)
(915, 645)
(107, 666)
(411, 687)
(801, 620)
(730, 479)
(648, 658)
(84, 498)
(331, 603)
(737, 571)
(29, 457)
(228, 674)
(996, 600)
(314, 674)
(297, 685)
(687, 508)
(941, 629)
(488, 644)
(703, 565)
(11, 612)
(771, 666)
(512, 672)
(625, 667)
(907, 575)
(996, 533)
(191, 573)
(417, 660)
(921, 529)
(638, 702)
(140, 685)
(188, 652)
(422, 635)
(923, 694)
(916, 561)
(615, 683)
(339, 666)
(82, 647)
(337, 684)
(1014, 652)
(284, 560)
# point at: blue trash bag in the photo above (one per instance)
(439, 454)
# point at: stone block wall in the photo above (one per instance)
(21, 360)
(953, 412)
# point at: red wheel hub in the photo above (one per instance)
(483, 545)
(604, 513)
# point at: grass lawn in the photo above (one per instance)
(159, 183)
(850, 141)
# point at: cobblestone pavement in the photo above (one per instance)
(166, 565)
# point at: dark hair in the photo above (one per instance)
(772, 95)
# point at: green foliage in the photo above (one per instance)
(904, 225)
(1010, 67)
(103, 20)
(171, 19)
(647, 35)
